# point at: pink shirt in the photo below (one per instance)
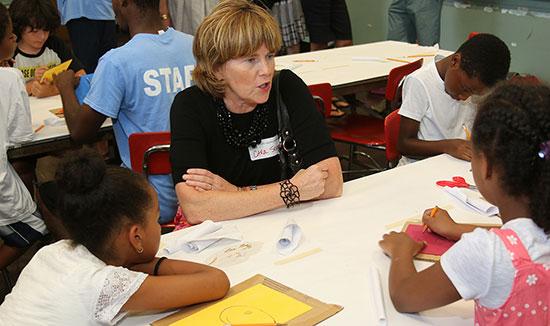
(528, 302)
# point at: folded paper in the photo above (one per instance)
(472, 200)
(289, 239)
(199, 237)
(48, 75)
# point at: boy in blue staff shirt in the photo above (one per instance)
(436, 115)
(134, 85)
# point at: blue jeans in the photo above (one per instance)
(168, 202)
(100, 37)
(415, 21)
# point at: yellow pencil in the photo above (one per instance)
(421, 55)
(467, 131)
(397, 60)
(432, 214)
(305, 60)
(39, 128)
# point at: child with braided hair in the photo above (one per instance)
(108, 267)
(507, 270)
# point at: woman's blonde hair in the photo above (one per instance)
(235, 28)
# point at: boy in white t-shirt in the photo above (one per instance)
(20, 222)
(435, 115)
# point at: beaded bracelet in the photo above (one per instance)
(289, 193)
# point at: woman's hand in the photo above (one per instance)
(441, 223)
(400, 244)
(202, 180)
(310, 182)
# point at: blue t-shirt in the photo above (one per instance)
(135, 85)
(96, 9)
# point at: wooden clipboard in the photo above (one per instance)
(437, 257)
(319, 312)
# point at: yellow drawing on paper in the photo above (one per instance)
(48, 75)
(258, 304)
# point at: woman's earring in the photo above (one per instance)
(140, 250)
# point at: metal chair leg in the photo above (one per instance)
(350, 156)
(7, 279)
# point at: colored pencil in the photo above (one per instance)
(397, 60)
(432, 214)
(468, 133)
(421, 55)
(39, 128)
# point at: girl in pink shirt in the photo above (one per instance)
(507, 270)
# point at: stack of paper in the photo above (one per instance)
(472, 200)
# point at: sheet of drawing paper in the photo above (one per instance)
(258, 304)
(436, 244)
(48, 75)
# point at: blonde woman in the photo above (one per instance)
(225, 138)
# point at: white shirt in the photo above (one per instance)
(440, 116)
(15, 127)
(480, 267)
(67, 285)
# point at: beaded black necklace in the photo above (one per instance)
(242, 139)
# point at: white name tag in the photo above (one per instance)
(269, 147)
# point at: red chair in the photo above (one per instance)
(150, 152)
(395, 77)
(320, 93)
(353, 129)
(472, 34)
(358, 129)
(150, 155)
(391, 136)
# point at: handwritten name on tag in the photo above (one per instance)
(269, 147)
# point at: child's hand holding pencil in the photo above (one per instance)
(439, 221)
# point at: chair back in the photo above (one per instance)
(396, 75)
(391, 136)
(322, 95)
(150, 152)
(472, 34)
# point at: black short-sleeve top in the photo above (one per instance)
(198, 141)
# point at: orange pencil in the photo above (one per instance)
(468, 133)
(39, 128)
(432, 214)
(397, 60)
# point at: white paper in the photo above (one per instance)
(289, 239)
(199, 237)
(377, 294)
(54, 121)
(472, 200)
(368, 59)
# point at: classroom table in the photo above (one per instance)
(347, 231)
(50, 138)
(356, 68)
